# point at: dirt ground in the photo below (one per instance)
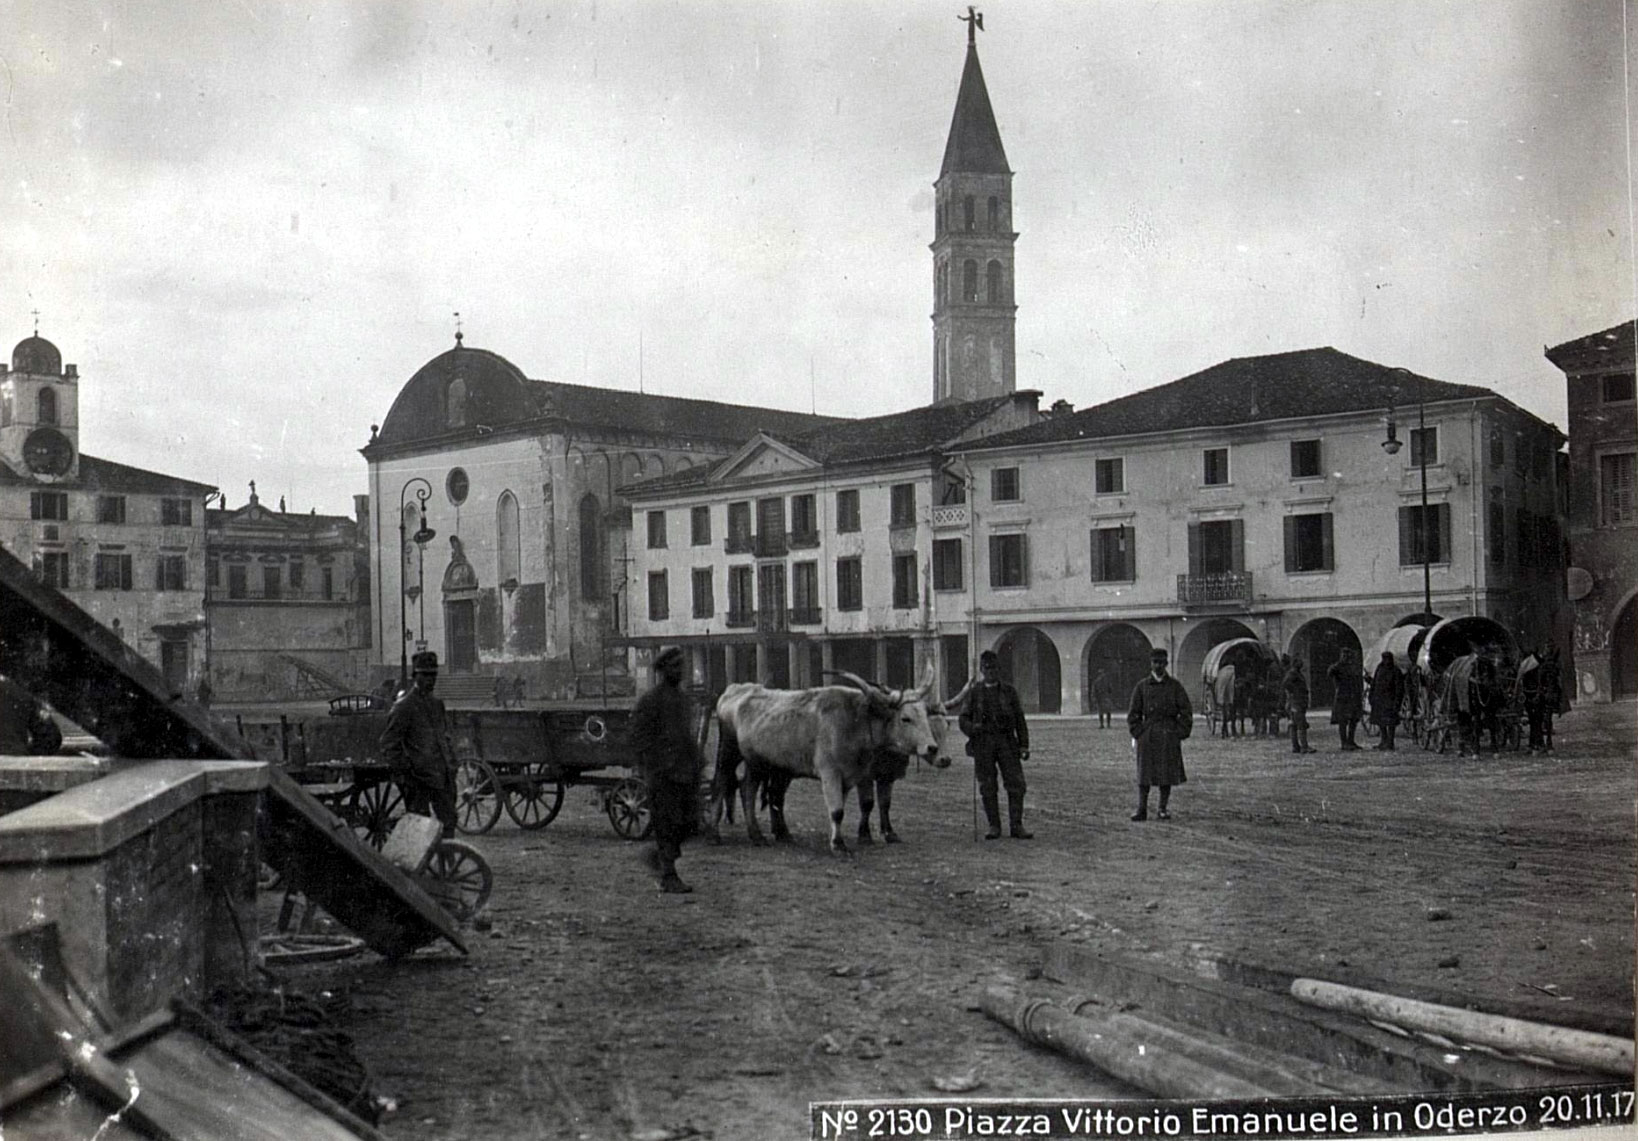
(597, 1008)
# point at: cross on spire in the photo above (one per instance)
(974, 19)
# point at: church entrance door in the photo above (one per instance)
(460, 620)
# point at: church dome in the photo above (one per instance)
(37, 356)
(460, 392)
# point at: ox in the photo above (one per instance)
(887, 767)
(833, 734)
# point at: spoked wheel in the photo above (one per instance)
(534, 796)
(628, 809)
(373, 809)
(458, 878)
(477, 797)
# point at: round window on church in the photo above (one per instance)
(457, 485)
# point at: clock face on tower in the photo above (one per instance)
(48, 452)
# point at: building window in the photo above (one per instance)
(770, 526)
(457, 485)
(741, 606)
(48, 505)
(904, 582)
(1109, 476)
(969, 280)
(951, 490)
(1114, 554)
(591, 549)
(1305, 459)
(659, 604)
(847, 511)
(1618, 389)
(993, 283)
(902, 499)
(705, 594)
(298, 576)
(804, 521)
(52, 567)
(237, 585)
(1009, 560)
(1216, 467)
(1217, 547)
(1424, 440)
(1309, 545)
(805, 593)
(176, 512)
(699, 526)
(656, 530)
(1498, 446)
(1424, 540)
(110, 509)
(508, 540)
(171, 572)
(113, 572)
(455, 400)
(947, 567)
(1616, 476)
(1541, 457)
(739, 527)
(327, 582)
(849, 584)
(1004, 485)
(995, 213)
(48, 406)
(272, 584)
(213, 572)
(969, 221)
(1524, 526)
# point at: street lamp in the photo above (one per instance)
(1391, 445)
(421, 538)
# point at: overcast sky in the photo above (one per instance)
(249, 223)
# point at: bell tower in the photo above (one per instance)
(973, 299)
(40, 413)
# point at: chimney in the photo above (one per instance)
(1061, 407)
(361, 511)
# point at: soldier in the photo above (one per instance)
(1387, 692)
(998, 736)
(662, 736)
(1100, 699)
(1160, 719)
(1348, 703)
(1296, 706)
(416, 745)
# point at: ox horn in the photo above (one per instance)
(960, 696)
(921, 691)
(856, 680)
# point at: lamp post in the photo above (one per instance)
(421, 538)
(1391, 445)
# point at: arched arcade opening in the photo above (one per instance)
(1121, 652)
(1191, 652)
(1623, 653)
(1029, 660)
(1318, 645)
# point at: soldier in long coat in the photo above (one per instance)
(662, 736)
(416, 746)
(1160, 719)
(1387, 691)
(1296, 706)
(1347, 706)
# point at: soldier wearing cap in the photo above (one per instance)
(662, 736)
(1160, 719)
(416, 745)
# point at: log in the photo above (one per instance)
(1118, 1044)
(1579, 1048)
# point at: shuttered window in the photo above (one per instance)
(1309, 543)
(1616, 488)
(1114, 554)
(1413, 533)
(1217, 546)
(1009, 560)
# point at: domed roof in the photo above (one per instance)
(37, 356)
(488, 390)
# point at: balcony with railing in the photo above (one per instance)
(770, 621)
(806, 616)
(737, 543)
(804, 540)
(771, 544)
(1222, 588)
(741, 619)
(950, 515)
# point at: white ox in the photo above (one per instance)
(831, 733)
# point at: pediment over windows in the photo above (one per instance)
(762, 454)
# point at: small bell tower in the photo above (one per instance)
(40, 412)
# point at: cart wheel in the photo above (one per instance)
(372, 811)
(628, 809)
(477, 797)
(458, 878)
(534, 796)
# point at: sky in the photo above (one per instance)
(250, 223)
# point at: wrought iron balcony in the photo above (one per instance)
(741, 619)
(1214, 589)
(771, 544)
(737, 544)
(806, 616)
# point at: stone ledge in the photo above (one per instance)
(93, 819)
(50, 774)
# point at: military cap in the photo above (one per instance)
(1158, 655)
(671, 655)
(424, 662)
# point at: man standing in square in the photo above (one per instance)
(662, 736)
(416, 746)
(1160, 719)
(994, 723)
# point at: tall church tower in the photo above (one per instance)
(973, 310)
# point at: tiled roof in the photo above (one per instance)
(106, 475)
(1247, 390)
(896, 435)
(1612, 344)
(670, 415)
(974, 145)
